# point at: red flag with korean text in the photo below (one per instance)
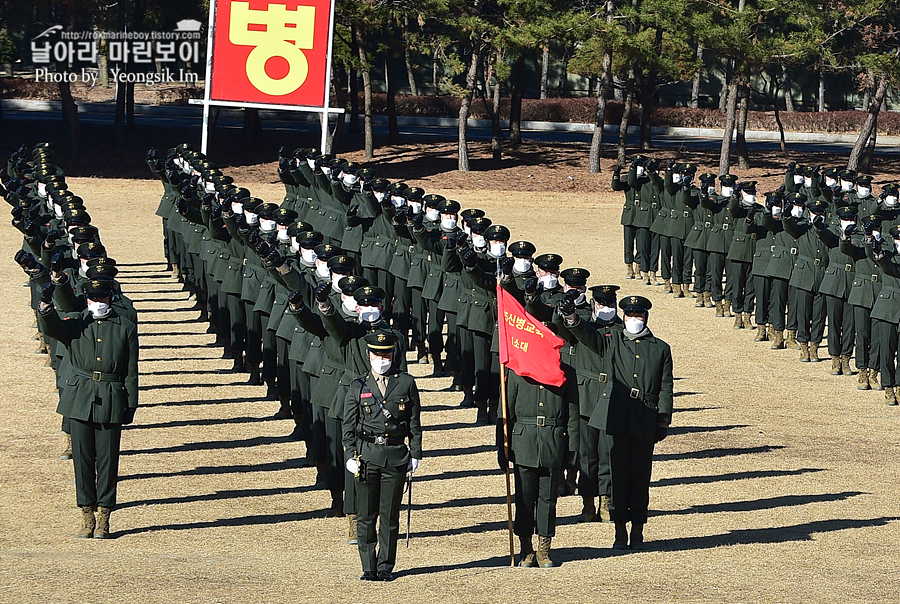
(527, 346)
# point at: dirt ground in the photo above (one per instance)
(778, 482)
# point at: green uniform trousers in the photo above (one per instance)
(379, 498)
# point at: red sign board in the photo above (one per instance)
(270, 52)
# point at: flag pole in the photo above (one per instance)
(503, 416)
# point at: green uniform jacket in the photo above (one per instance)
(887, 306)
(746, 233)
(102, 380)
(811, 254)
(867, 277)
(542, 421)
(394, 416)
(593, 371)
(838, 278)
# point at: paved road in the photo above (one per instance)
(445, 133)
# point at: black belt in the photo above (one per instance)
(540, 420)
(600, 377)
(644, 396)
(383, 440)
(848, 267)
(97, 376)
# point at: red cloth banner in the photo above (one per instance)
(270, 52)
(527, 346)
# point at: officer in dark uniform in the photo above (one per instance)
(635, 408)
(836, 286)
(100, 395)
(809, 269)
(382, 438)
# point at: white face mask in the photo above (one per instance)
(776, 211)
(432, 214)
(266, 225)
(308, 256)
(797, 211)
(322, 269)
(295, 247)
(522, 265)
(41, 190)
(350, 179)
(890, 200)
(863, 191)
(335, 277)
(379, 196)
(237, 208)
(634, 325)
(251, 218)
(467, 230)
(397, 201)
(478, 240)
(676, 178)
(876, 235)
(349, 303)
(727, 191)
(846, 223)
(311, 163)
(210, 187)
(74, 254)
(498, 248)
(283, 236)
(798, 179)
(580, 298)
(846, 185)
(448, 223)
(604, 313)
(748, 200)
(897, 246)
(415, 206)
(369, 313)
(830, 182)
(98, 309)
(711, 190)
(380, 365)
(82, 270)
(549, 281)
(326, 170)
(807, 181)
(639, 171)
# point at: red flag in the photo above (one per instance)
(527, 346)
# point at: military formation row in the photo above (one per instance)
(88, 327)
(821, 249)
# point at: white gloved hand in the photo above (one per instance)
(413, 465)
(352, 466)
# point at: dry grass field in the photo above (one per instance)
(778, 483)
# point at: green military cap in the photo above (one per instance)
(240, 194)
(575, 277)
(817, 205)
(635, 303)
(890, 186)
(774, 198)
(381, 341)
(640, 159)
(549, 262)
(77, 216)
(798, 199)
(324, 160)
(415, 193)
(350, 168)
(380, 184)
(470, 213)
(748, 185)
(182, 147)
(102, 271)
(251, 204)
(688, 169)
(365, 174)
(220, 180)
(831, 172)
(497, 232)
(313, 153)
(349, 284)
(728, 180)
(433, 200)
(227, 190)
(448, 206)
(522, 249)
(300, 153)
(369, 294)
(707, 177)
(61, 195)
(101, 261)
(56, 185)
(91, 249)
(84, 233)
(98, 288)
(341, 264)
(310, 239)
(874, 218)
(604, 293)
(846, 213)
(284, 216)
(337, 164)
(864, 180)
(398, 189)
(324, 251)
(847, 175)
(479, 225)
(267, 210)
(299, 227)
(42, 145)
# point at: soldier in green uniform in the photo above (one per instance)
(99, 396)
(836, 286)
(382, 438)
(635, 408)
(886, 313)
(739, 261)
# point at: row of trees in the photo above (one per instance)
(626, 48)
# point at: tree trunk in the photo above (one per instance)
(592, 85)
(648, 84)
(340, 97)
(253, 126)
(743, 153)
(435, 90)
(129, 106)
(390, 77)
(868, 128)
(366, 69)
(730, 118)
(353, 126)
(70, 114)
(119, 119)
(695, 89)
(865, 164)
(410, 73)
(726, 86)
(517, 75)
(464, 107)
(821, 89)
(788, 95)
(600, 115)
(103, 65)
(626, 115)
(563, 77)
(545, 69)
(496, 132)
